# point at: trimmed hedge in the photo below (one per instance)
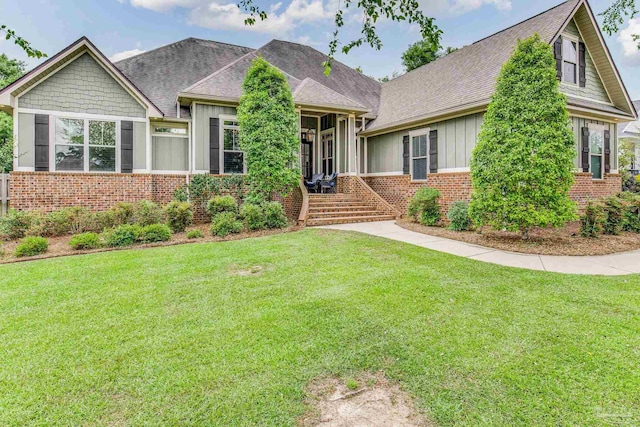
(123, 235)
(85, 241)
(220, 204)
(225, 223)
(423, 206)
(155, 233)
(179, 215)
(32, 246)
(194, 234)
(253, 216)
(458, 216)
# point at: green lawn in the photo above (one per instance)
(173, 336)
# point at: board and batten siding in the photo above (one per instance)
(456, 141)
(139, 145)
(201, 115)
(594, 89)
(170, 153)
(82, 86)
(578, 123)
(26, 140)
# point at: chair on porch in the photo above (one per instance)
(329, 184)
(314, 184)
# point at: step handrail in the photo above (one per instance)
(304, 209)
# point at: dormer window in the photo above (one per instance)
(569, 61)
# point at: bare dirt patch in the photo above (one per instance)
(366, 401)
(254, 270)
(542, 241)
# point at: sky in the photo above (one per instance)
(120, 28)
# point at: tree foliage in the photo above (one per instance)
(25, 45)
(268, 132)
(10, 70)
(616, 14)
(522, 166)
(421, 53)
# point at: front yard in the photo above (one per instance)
(232, 334)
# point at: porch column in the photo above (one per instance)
(299, 111)
(352, 159)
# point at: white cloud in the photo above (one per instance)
(630, 51)
(125, 54)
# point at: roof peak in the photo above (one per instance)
(188, 39)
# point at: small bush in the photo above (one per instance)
(194, 234)
(225, 223)
(221, 204)
(85, 241)
(155, 233)
(458, 216)
(15, 224)
(145, 212)
(81, 220)
(614, 218)
(179, 215)
(123, 235)
(631, 213)
(592, 220)
(253, 216)
(54, 224)
(274, 215)
(424, 206)
(32, 246)
(121, 213)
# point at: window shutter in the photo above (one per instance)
(585, 149)
(41, 149)
(214, 146)
(126, 146)
(405, 155)
(433, 151)
(557, 54)
(607, 151)
(582, 58)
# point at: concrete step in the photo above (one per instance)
(348, 219)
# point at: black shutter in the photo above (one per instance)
(214, 146)
(126, 146)
(41, 143)
(557, 54)
(582, 58)
(433, 151)
(405, 155)
(607, 151)
(585, 149)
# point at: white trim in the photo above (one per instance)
(334, 165)
(191, 153)
(575, 40)
(221, 127)
(193, 109)
(148, 149)
(140, 171)
(366, 154)
(198, 172)
(318, 153)
(72, 115)
(16, 140)
(393, 173)
(24, 169)
(412, 134)
(454, 170)
(166, 172)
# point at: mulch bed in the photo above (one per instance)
(59, 246)
(542, 241)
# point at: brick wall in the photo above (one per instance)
(358, 187)
(398, 189)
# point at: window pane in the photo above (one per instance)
(70, 131)
(102, 133)
(415, 142)
(69, 158)
(596, 139)
(230, 123)
(420, 169)
(569, 73)
(231, 139)
(423, 145)
(175, 131)
(596, 166)
(102, 159)
(233, 162)
(569, 51)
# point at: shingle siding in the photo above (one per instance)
(83, 86)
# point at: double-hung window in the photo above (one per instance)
(569, 61)
(596, 151)
(232, 156)
(419, 154)
(85, 145)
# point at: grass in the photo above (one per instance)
(176, 336)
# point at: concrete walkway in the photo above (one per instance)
(610, 265)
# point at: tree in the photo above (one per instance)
(421, 53)
(268, 132)
(616, 14)
(25, 45)
(522, 165)
(10, 70)
(627, 161)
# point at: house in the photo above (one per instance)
(92, 132)
(631, 131)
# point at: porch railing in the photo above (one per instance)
(4, 193)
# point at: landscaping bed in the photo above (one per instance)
(542, 241)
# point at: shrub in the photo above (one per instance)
(155, 233)
(253, 216)
(631, 220)
(15, 224)
(54, 224)
(85, 241)
(121, 213)
(32, 246)
(123, 235)
(592, 220)
(179, 215)
(221, 204)
(225, 223)
(424, 207)
(80, 219)
(458, 216)
(194, 234)
(522, 168)
(274, 215)
(145, 212)
(614, 215)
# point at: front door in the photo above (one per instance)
(327, 151)
(306, 152)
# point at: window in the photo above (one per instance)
(232, 156)
(569, 61)
(419, 154)
(85, 145)
(170, 130)
(596, 150)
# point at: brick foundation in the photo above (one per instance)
(358, 187)
(398, 189)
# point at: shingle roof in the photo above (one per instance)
(163, 72)
(464, 77)
(310, 92)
